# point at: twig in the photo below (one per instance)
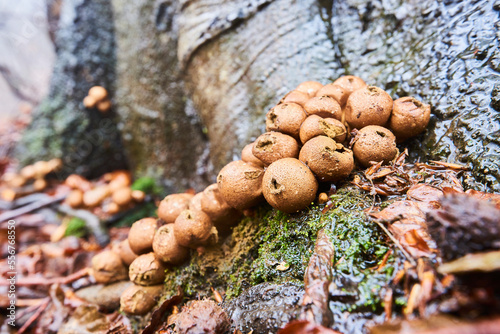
(35, 316)
(31, 207)
(405, 253)
(44, 281)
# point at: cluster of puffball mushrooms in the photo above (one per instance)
(315, 134)
(30, 179)
(97, 98)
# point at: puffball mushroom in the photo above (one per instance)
(172, 205)
(337, 92)
(328, 160)
(141, 235)
(272, 146)
(286, 118)
(28, 172)
(350, 83)
(75, 198)
(126, 253)
(222, 215)
(139, 300)
(323, 106)
(368, 106)
(409, 117)
(240, 184)
(41, 168)
(193, 229)
(122, 196)
(315, 126)
(166, 248)
(95, 196)
(374, 143)
(195, 202)
(98, 93)
(107, 267)
(147, 270)
(89, 101)
(75, 181)
(247, 156)
(309, 87)
(296, 96)
(289, 185)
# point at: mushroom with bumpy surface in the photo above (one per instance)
(368, 106)
(172, 205)
(350, 83)
(286, 118)
(126, 253)
(240, 184)
(373, 144)
(166, 247)
(141, 235)
(193, 229)
(309, 87)
(247, 156)
(195, 202)
(107, 267)
(147, 270)
(223, 216)
(139, 300)
(296, 97)
(337, 92)
(315, 126)
(328, 160)
(409, 117)
(324, 106)
(288, 185)
(272, 146)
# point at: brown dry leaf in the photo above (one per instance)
(305, 327)
(424, 193)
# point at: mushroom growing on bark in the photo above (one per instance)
(368, 106)
(147, 270)
(222, 215)
(409, 117)
(289, 185)
(324, 106)
(107, 267)
(309, 87)
(315, 126)
(373, 144)
(247, 156)
(350, 83)
(193, 229)
(172, 205)
(139, 300)
(166, 247)
(286, 118)
(272, 146)
(240, 184)
(141, 235)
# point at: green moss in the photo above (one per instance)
(147, 184)
(76, 227)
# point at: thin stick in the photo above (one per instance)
(405, 253)
(30, 207)
(35, 316)
(57, 280)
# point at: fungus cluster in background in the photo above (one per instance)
(314, 134)
(97, 98)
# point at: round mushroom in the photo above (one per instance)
(98, 93)
(172, 205)
(193, 229)
(222, 215)
(337, 92)
(286, 118)
(166, 247)
(141, 235)
(368, 106)
(328, 160)
(272, 146)
(309, 87)
(146, 270)
(240, 184)
(315, 126)
(122, 196)
(350, 83)
(295, 97)
(374, 143)
(289, 185)
(247, 156)
(107, 267)
(75, 198)
(139, 300)
(126, 253)
(324, 106)
(195, 202)
(409, 117)
(95, 196)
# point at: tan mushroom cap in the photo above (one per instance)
(141, 235)
(296, 96)
(139, 300)
(147, 270)
(107, 267)
(126, 253)
(324, 106)
(195, 202)
(286, 118)
(350, 83)
(94, 197)
(172, 205)
(247, 156)
(337, 92)
(193, 229)
(98, 93)
(166, 247)
(368, 106)
(328, 160)
(289, 185)
(122, 196)
(409, 117)
(315, 126)
(240, 184)
(222, 215)
(309, 87)
(272, 146)
(373, 144)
